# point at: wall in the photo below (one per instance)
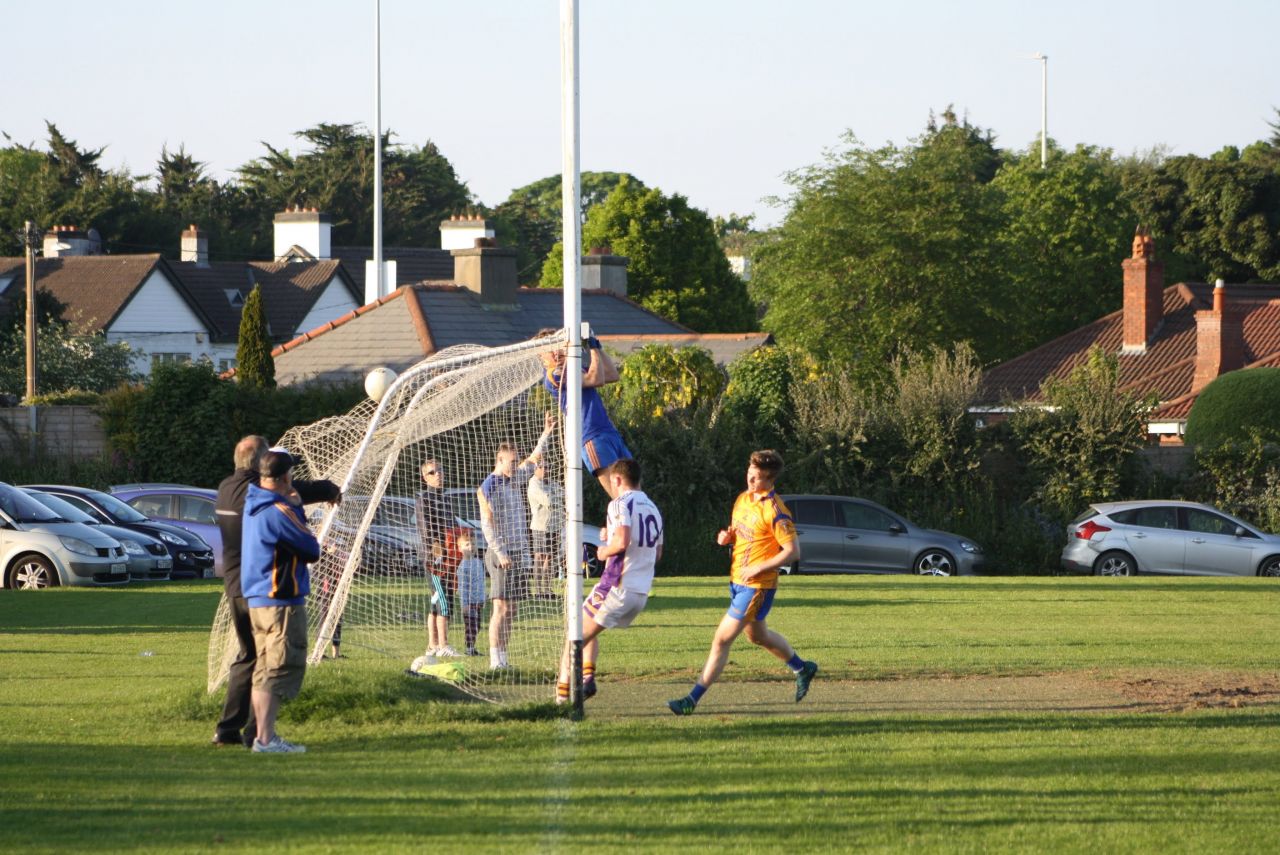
(70, 431)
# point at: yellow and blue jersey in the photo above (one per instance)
(761, 527)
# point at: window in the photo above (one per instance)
(1154, 517)
(226, 365)
(865, 517)
(157, 358)
(84, 506)
(813, 512)
(196, 509)
(151, 506)
(1208, 523)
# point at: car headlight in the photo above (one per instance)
(971, 547)
(133, 547)
(172, 538)
(77, 546)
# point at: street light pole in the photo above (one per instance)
(1044, 108)
(379, 277)
(30, 234)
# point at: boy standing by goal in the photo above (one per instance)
(763, 535)
(632, 546)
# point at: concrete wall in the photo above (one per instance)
(71, 431)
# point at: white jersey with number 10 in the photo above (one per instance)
(635, 510)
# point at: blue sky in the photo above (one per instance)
(709, 98)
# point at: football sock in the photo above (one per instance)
(795, 663)
(562, 691)
(697, 692)
(588, 671)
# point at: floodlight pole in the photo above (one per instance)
(1044, 108)
(377, 149)
(30, 234)
(571, 200)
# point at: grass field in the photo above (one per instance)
(1121, 715)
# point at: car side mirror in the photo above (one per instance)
(1241, 531)
(896, 528)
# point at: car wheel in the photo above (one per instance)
(1270, 567)
(935, 562)
(32, 572)
(591, 563)
(1115, 564)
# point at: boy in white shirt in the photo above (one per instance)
(632, 545)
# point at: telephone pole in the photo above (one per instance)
(30, 235)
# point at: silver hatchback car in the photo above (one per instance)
(1167, 537)
(841, 534)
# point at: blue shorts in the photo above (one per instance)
(750, 604)
(602, 450)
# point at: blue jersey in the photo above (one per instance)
(595, 421)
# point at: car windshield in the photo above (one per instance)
(23, 509)
(62, 508)
(116, 508)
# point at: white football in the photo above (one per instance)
(378, 381)
(422, 662)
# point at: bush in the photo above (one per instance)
(1236, 405)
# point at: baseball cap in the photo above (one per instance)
(275, 462)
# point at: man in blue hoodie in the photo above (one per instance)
(275, 547)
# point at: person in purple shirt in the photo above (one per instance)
(601, 442)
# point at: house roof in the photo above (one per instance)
(415, 321)
(413, 264)
(96, 288)
(1166, 369)
(724, 347)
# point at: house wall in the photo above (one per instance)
(334, 302)
(158, 321)
(70, 432)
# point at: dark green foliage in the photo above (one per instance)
(1235, 406)
(677, 268)
(1242, 476)
(254, 364)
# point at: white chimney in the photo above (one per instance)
(195, 247)
(307, 229)
(61, 241)
(461, 232)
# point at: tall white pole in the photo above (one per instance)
(1044, 109)
(571, 200)
(377, 147)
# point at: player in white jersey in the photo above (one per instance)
(631, 549)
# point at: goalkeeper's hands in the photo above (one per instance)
(592, 343)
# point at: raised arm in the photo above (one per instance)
(600, 370)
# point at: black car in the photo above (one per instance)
(191, 555)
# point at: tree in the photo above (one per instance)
(254, 365)
(66, 360)
(658, 380)
(677, 268)
(1236, 405)
(883, 248)
(530, 218)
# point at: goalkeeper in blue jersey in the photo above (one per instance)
(601, 443)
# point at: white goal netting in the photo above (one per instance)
(409, 529)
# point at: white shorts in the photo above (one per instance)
(618, 608)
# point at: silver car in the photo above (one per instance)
(147, 557)
(842, 534)
(39, 549)
(1167, 537)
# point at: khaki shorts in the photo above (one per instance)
(280, 634)
(508, 583)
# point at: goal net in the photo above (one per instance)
(409, 529)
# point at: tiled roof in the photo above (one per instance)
(1166, 368)
(413, 264)
(416, 321)
(95, 288)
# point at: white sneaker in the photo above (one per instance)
(278, 746)
(446, 651)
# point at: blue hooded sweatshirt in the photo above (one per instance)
(275, 546)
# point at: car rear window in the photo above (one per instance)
(1089, 513)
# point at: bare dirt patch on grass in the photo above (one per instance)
(1166, 691)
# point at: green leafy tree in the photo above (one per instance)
(66, 360)
(1080, 446)
(658, 380)
(254, 365)
(1234, 406)
(677, 268)
(884, 247)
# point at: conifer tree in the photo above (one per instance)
(254, 365)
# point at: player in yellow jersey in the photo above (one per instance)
(763, 535)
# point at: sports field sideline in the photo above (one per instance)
(961, 714)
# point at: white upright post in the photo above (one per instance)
(571, 198)
(377, 149)
(1044, 109)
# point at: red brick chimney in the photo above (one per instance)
(1219, 339)
(1143, 294)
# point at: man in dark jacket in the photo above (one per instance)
(237, 712)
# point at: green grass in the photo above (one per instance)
(958, 715)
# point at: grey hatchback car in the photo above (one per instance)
(1169, 538)
(842, 534)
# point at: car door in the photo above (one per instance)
(821, 540)
(1213, 549)
(1154, 538)
(869, 542)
